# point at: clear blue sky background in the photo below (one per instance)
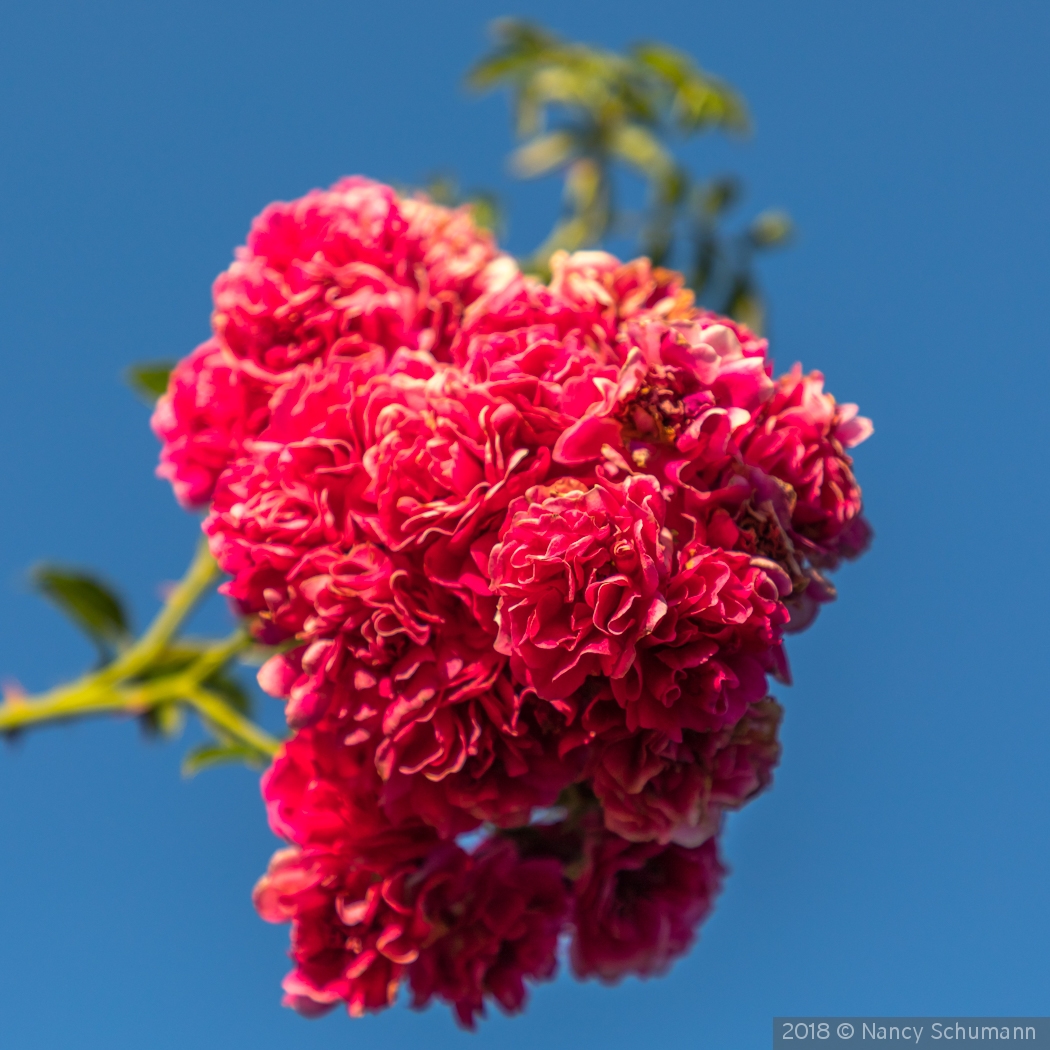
(900, 864)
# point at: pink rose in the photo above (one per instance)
(581, 574)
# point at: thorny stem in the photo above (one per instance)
(119, 687)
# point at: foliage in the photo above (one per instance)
(585, 113)
(88, 602)
(149, 379)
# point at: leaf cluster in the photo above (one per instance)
(586, 112)
(179, 667)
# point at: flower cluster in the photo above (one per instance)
(532, 550)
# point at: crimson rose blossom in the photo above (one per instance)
(580, 574)
(638, 905)
(353, 271)
(462, 926)
(530, 552)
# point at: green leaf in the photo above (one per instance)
(87, 601)
(569, 85)
(486, 211)
(528, 114)
(166, 720)
(541, 69)
(771, 229)
(543, 154)
(584, 182)
(207, 755)
(745, 305)
(518, 44)
(716, 197)
(640, 148)
(442, 188)
(149, 379)
(707, 251)
(230, 690)
(657, 234)
(699, 100)
(522, 36)
(256, 654)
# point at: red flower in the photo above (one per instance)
(602, 287)
(502, 921)
(322, 792)
(356, 924)
(638, 905)
(448, 751)
(535, 548)
(654, 788)
(340, 270)
(799, 438)
(581, 575)
(350, 272)
(203, 419)
(675, 384)
(493, 757)
(706, 663)
(463, 928)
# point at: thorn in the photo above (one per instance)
(13, 692)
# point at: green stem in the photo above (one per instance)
(119, 689)
(231, 721)
(179, 604)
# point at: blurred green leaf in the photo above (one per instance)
(639, 147)
(486, 210)
(443, 188)
(745, 305)
(517, 44)
(771, 229)
(706, 254)
(87, 601)
(166, 720)
(230, 690)
(257, 654)
(716, 197)
(207, 755)
(583, 184)
(149, 379)
(543, 154)
(699, 100)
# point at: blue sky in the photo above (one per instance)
(899, 864)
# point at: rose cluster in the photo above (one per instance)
(531, 550)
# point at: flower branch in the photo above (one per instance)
(156, 672)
